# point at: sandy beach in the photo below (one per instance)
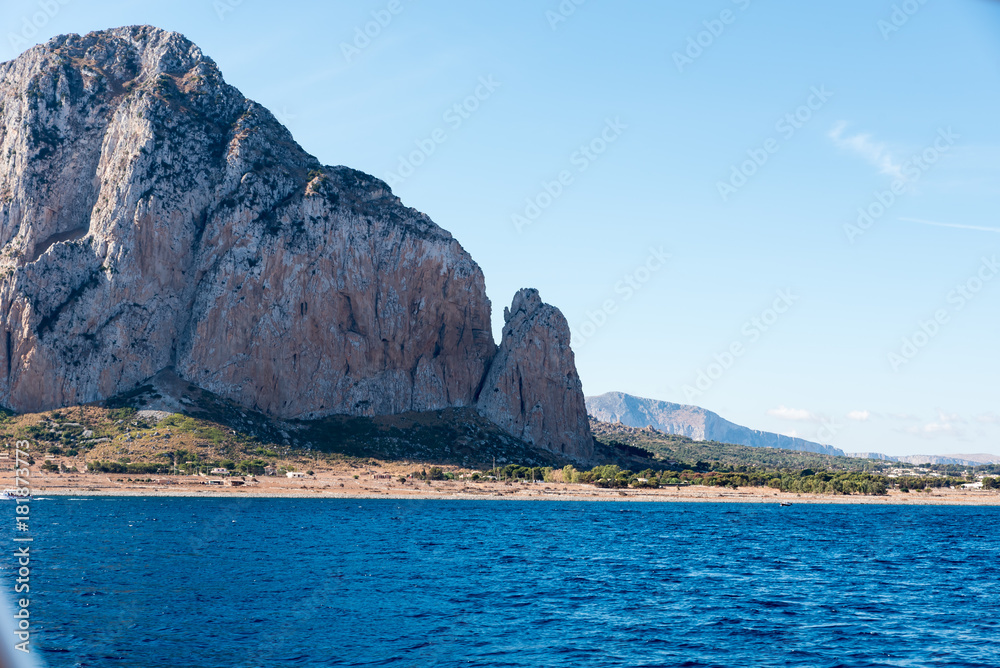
(344, 484)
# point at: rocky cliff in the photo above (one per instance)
(691, 421)
(532, 389)
(152, 217)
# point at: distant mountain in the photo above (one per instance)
(691, 421)
(872, 455)
(960, 460)
(979, 458)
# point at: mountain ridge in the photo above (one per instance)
(960, 460)
(701, 424)
(694, 422)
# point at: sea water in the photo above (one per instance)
(285, 582)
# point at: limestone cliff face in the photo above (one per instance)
(532, 389)
(153, 217)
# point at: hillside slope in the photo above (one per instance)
(696, 423)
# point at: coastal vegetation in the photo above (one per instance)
(806, 481)
(212, 434)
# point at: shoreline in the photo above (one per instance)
(335, 486)
(817, 500)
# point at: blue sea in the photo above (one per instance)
(281, 582)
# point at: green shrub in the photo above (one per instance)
(125, 414)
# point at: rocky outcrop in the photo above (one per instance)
(153, 219)
(532, 389)
(694, 422)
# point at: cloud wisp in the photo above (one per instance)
(933, 430)
(959, 226)
(873, 151)
(793, 414)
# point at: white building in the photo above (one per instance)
(295, 474)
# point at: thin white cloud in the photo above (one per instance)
(955, 225)
(937, 427)
(988, 418)
(874, 152)
(793, 414)
(859, 416)
(933, 430)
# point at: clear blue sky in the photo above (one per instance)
(666, 122)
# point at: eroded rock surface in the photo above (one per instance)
(153, 218)
(532, 389)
